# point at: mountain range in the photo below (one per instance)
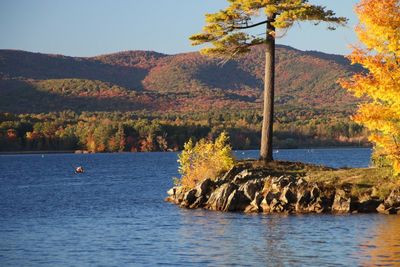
(182, 83)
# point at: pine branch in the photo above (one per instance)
(249, 26)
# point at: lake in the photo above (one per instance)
(114, 215)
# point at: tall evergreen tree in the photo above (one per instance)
(226, 32)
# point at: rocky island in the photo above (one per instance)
(253, 186)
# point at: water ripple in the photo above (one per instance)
(114, 215)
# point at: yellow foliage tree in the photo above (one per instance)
(379, 31)
(205, 159)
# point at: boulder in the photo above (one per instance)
(171, 192)
(189, 198)
(176, 194)
(255, 205)
(368, 204)
(317, 206)
(219, 197)
(250, 188)
(393, 199)
(391, 205)
(179, 193)
(199, 203)
(303, 197)
(382, 208)
(243, 176)
(276, 206)
(271, 203)
(341, 202)
(264, 206)
(204, 188)
(301, 182)
(230, 175)
(314, 193)
(237, 201)
(277, 183)
(288, 196)
(270, 196)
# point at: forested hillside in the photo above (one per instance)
(184, 81)
(184, 89)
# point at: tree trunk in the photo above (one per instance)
(269, 87)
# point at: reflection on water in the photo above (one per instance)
(114, 215)
(383, 245)
(290, 240)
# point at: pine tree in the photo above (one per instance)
(226, 32)
(379, 31)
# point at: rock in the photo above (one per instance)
(368, 204)
(301, 182)
(391, 205)
(204, 188)
(189, 198)
(271, 196)
(237, 201)
(171, 192)
(321, 199)
(393, 199)
(253, 188)
(170, 199)
(276, 206)
(303, 197)
(176, 194)
(264, 206)
(382, 208)
(219, 197)
(288, 196)
(341, 202)
(242, 177)
(250, 188)
(255, 205)
(230, 175)
(303, 200)
(199, 203)
(180, 193)
(317, 206)
(315, 192)
(278, 182)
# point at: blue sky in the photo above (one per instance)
(88, 28)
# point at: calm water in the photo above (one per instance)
(114, 215)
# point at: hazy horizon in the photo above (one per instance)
(85, 29)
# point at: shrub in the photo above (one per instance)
(379, 159)
(205, 159)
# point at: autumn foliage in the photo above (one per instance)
(205, 159)
(379, 32)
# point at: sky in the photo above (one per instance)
(94, 27)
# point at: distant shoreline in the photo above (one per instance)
(38, 152)
(128, 152)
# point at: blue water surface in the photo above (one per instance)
(114, 215)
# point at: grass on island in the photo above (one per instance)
(372, 181)
(377, 182)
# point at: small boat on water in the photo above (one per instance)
(79, 169)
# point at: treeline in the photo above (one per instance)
(135, 132)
